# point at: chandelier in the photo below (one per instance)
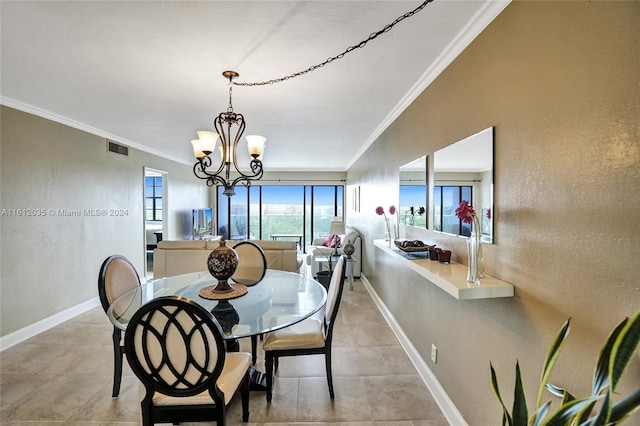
(229, 126)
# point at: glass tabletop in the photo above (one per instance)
(279, 300)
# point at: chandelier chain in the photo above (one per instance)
(230, 108)
(349, 49)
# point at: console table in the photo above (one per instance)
(289, 236)
(451, 277)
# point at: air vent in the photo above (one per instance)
(117, 148)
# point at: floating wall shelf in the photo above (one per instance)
(452, 277)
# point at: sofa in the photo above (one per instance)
(179, 257)
(317, 251)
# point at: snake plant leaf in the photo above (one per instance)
(506, 418)
(560, 392)
(538, 417)
(567, 397)
(601, 375)
(583, 417)
(551, 358)
(567, 413)
(520, 412)
(624, 348)
(602, 418)
(625, 407)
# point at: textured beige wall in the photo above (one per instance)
(50, 263)
(560, 81)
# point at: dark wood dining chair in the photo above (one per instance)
(176, 348)
(311, 336)
(252, 266)
(117, 275)
(252, 263)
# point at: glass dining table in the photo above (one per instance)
(279, 300)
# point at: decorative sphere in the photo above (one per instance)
(222, 262)
(348, 248)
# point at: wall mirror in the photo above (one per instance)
(464, 171)
(413, 193)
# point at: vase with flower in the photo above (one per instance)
(387, 233)
(411, 215)
(467, 214)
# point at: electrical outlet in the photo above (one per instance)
(434, 353)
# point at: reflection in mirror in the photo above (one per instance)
(413, 193)
(464, 171)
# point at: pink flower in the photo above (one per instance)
(488, 213)
(392, 209)
(379, 211)
(466, 212)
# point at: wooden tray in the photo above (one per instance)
(426, 247)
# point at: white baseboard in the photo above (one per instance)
(44, 324)
(445, 403)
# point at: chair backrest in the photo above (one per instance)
(175, 347)
(117, 275)
(334, 293)
(252, 263)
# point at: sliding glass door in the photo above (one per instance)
(296, 212)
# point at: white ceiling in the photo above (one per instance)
(148, 74)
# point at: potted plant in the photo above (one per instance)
(324, 275)
(599, 408)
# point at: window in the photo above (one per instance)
(446, 200)
(153, 198)
(286, 211)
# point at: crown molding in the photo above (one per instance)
(43, 113)
(481, 20)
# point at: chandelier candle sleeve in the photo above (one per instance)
(255, 143)
(208, 141)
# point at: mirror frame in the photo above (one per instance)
(462, 157)
(416, 175)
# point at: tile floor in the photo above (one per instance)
(64, 377)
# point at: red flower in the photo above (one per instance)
(465, 212)
(392, 209)
(379, 211)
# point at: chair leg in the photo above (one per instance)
(254, 349)
(269, 370)
(245, 390)
(327, 361)
(118, 352)
(222, 415)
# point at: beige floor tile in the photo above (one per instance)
(367, 316)
(359, 362)
(16, 388)
(400, 398)
(124, 408)
(373, 335)
(350, 403)
(57, 400)
(396, 360)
